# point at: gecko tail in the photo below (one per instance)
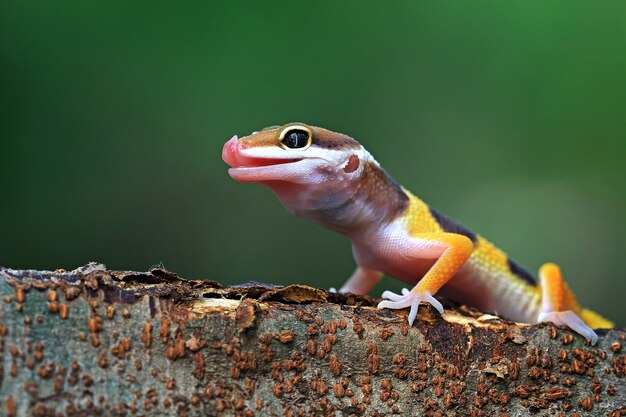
(594, 320)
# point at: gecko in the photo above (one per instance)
(331, 179)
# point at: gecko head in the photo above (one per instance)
(295, 154)
(325, 176)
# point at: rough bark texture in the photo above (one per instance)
(99, 342)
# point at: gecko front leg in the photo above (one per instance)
(451, 251)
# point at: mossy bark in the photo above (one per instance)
(98, 342)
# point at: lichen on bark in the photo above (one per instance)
(111, 343)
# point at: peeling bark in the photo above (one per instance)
(98, 342)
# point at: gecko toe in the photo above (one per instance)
(575, 323)
(571, 320)
(393, 296)
(414, 309)
(394, 305)
(409, 299)
(433, 302)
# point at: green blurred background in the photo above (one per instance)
(509, 116)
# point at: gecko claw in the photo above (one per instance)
(409, 299)
(570, 319)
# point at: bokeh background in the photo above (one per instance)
(509, 116)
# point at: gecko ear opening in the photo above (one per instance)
(352, 165)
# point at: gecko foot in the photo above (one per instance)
(409, 299)
(570, 319)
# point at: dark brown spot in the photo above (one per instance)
(198, 369)
(358, 328)
(335, 366)
(310, 347)
(452, 226)
(71, 293)
(385, 333)
(103, 362)
(110, 312)
(53, 307)
(171, 384)
(286, 336)
(64, 311)
(146, 335)
(586, 403)
(521, 273)
(567, 338)
(11, 407)
(338, 390)
(20, 294)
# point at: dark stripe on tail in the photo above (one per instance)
(521, 273)
(452, 226)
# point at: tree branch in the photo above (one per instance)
(99, 342)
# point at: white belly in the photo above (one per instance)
(402, 256)
(492, 291)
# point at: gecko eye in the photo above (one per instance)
(295, 137)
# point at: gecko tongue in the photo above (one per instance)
(230, 153)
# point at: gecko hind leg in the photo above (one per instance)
(558, 304)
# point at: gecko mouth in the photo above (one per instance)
(252, 169)
(264, 162)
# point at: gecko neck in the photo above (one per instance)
(356, 207)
